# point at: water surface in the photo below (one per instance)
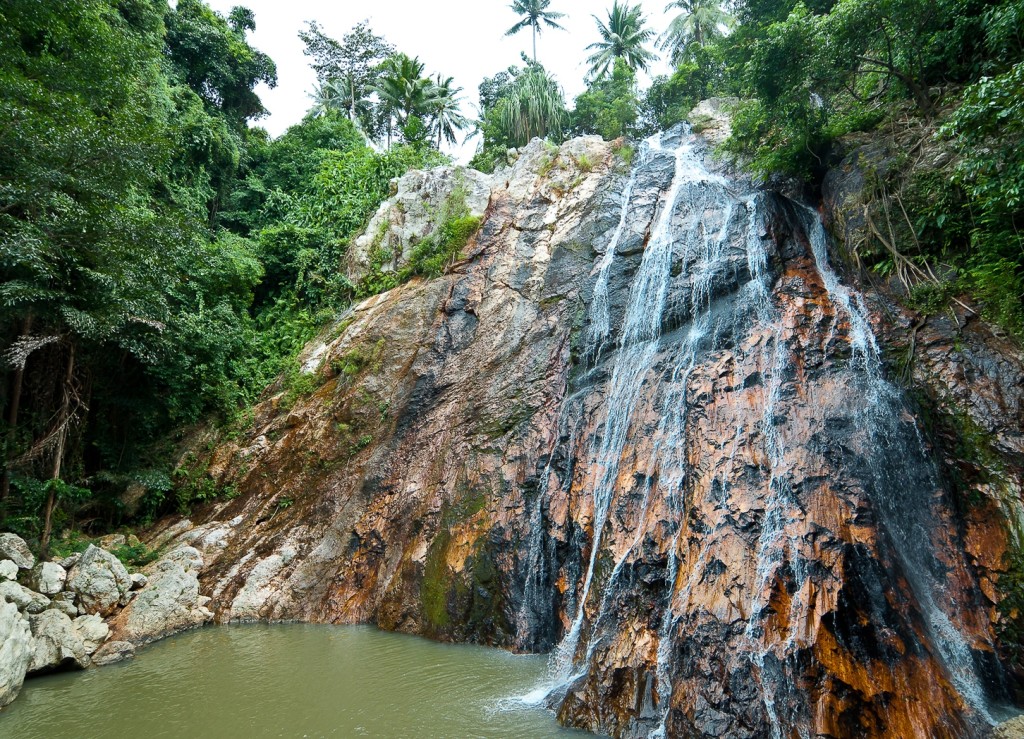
(288, 681)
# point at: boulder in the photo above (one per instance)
(27, 601)
(100, 580)
(15, 651)
(55, 643)
(169, 603)
(65, 603)
(139, 581)
(48, 578)
(113, 651)
(8, 570)
(68, 562)
(92, 630)
(14, 548)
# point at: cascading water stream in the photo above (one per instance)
(638, 346)
(901, 501)
(703, 230)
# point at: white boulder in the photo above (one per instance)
(101, 582)
(169, 603)
(92, 630)
(27, 601)
(55, 643)
(8, 570)
(14, 548)
(47, 578)
(113, 651)
(15, 651)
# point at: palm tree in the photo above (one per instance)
(624, 36)
(534, 12)
(445, 104)
(326, 97)
(700, 22)
(403, 89)
(533, 107)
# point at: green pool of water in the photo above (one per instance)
(288, 681)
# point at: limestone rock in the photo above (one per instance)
(100, 580)
(70, 561)
(139, 580)
(27, 601)
(15, 651)
(55, 643)
(411, 215)
(47, 578)
(8, 570)
(712, 119)
(113, 651)
(168, 603)
(92, 630)
(64, 602)
(14, 548)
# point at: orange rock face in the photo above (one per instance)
(643, 424)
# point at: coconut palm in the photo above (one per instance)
(326, 97)
(403, 88)
(533, 107)
(623, 37)
(446, 117)
(700, 22)
(534, 12)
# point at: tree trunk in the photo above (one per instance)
(352, 97)
(63, 421)
(12, 417)
(535, 44)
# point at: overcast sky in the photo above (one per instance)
(461, 38)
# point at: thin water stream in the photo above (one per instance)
(291, 680)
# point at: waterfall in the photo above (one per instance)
(898, 496)
(709, 266)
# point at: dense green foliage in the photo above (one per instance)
(516, 106)
(161, 260)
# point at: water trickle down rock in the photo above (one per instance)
(642, 419)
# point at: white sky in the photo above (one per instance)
(461, 38)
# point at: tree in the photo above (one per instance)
(353, 63)
(445, 115)
(623, 36)
(534, 13)
(610, 106)
(700, 22)
(404, 89)
(533, 107)
(211, 56)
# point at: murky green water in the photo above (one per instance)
(288, 681)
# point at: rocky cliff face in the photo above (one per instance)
(642, 423)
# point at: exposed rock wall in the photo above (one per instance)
(703, 489)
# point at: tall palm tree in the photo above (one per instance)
(534, 12)
(403, 88)
(700, 22)
(445, 104)
(623, 36)
(533, 107)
